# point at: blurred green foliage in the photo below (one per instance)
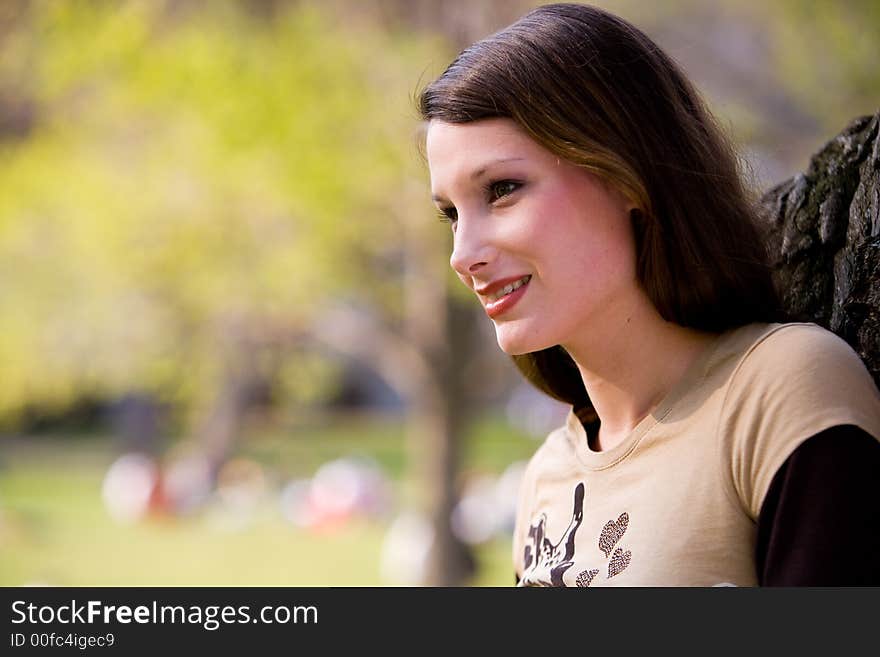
(187, 172)
(827, 54)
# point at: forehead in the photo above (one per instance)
(461, 148)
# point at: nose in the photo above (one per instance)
(471, 251)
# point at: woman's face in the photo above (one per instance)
(522, 216)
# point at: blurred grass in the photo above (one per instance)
(54, 529)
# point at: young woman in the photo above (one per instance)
(600, 219)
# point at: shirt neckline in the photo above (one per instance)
(593, 460)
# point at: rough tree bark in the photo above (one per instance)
(825, 239)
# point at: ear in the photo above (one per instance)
(626, 201)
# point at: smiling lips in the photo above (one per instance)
(503, 294)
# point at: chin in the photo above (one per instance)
(515, 343)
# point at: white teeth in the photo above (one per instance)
(507, 289)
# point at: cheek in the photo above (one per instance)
(595, 251)
(544, 228)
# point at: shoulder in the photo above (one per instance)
(799, 346)
(797, 365)
(555, 458)
(548, 457)
(792, 381)
(554, 452)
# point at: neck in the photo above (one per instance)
(629, 362)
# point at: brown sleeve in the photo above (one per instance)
(819, 523)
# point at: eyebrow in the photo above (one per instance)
(479, 172)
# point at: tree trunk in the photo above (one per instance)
(436, 417)
(424, 365)
(219, 425)
(825, 239)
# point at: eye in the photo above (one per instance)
(501, 188)
(448, 215)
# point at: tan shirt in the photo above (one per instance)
(675, 503)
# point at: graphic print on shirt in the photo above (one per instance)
(544, 563)
(612, 532)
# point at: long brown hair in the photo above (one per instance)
(595, 90)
